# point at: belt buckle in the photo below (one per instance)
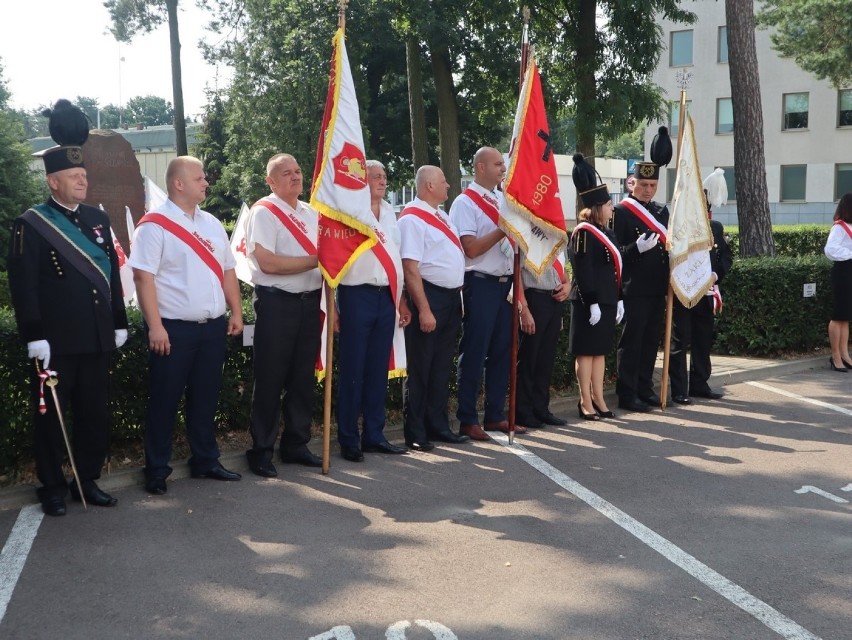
(503, 279)
(203, 321)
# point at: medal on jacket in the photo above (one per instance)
(97, 229)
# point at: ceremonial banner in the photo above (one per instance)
(340, 192)
(238, 246)
(154, 196)
(532, 214)
(689, 238)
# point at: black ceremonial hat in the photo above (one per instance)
(661, 155)
(586, 181)
(69, 128)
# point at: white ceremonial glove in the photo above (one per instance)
(647, 242)
(619, 312)
(595, 314)
(39, 349)
(506, 248)
(120, 337)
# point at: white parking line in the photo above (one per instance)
(732, 592)
(796, 396)
(16, 550)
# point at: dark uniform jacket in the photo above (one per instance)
(54, 300)
(592, 266)
(721, 257)
(645, 274)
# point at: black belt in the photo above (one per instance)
(202, 321)
(544, 292)
(488, 276)
(289, 294)
(438, 288)
(375, 287)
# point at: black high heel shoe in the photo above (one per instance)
(845, 362)
(602, 414)
(586, 416)
(834, 367)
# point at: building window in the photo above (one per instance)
(793, 178)
(680, 48)
(722, 45)
(842, 180)
(731, 181)
(671, 176)
(795, 111)
(844, 108)
(674, 116)
(724, 115)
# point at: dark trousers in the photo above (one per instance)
(536, 357)
(426, 390)
(83, 392)
(367, 321)
(286, 342)
(193, 368)
(637, 348)
(486, 344)
(692, 330)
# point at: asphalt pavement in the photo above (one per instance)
(728, 519)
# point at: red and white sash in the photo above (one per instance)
(716, 292)
(436, 221)
(293, 223)
(383, 256)
(845, 226)
(559, 266)
(638, 210)
(488, 208)
(201, 249)
(605, 241)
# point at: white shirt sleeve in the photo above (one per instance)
(412, 238)
(463, 215)
(839, 245)
(147, 251)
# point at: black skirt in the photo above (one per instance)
(587, 340)
(841, 290)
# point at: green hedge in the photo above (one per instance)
(790, 240)
(765, 314)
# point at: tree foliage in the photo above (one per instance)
(149, 111)
(815, 33)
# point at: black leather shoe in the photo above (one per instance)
(709, 394)
(634, 405)
(423, 447)
(384, 447)
(93, 495)
(653, 400)
(530, 422)
(53, 506)
(217, 473)
(263, 468)
(303, 457)
(156, 486)
(681, 399)
(353, 454)
(450, 437)
(549, 418)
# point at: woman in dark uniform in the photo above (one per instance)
(595, 297)
(838, 249)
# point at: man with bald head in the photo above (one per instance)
(281, 246)
(433, 266)
(487, 326)
(183, 268)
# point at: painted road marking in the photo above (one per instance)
(16, 550)
(729, 590)
(825, 494)
(796, 396)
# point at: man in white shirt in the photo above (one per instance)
(183, 268)
(433, 264)
(367, 300)
(281, 246)
(487, 330)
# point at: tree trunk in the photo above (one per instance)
(177, 82)
(448, 119)
(749, 158)
(416, 106)
(586, 65)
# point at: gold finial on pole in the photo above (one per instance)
(341, 15)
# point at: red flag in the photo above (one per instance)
(532, 215)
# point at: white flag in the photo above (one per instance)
(154, 196)
(238, 246)
(689, 236)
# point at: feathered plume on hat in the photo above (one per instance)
(69, 128)
(661, 148)
(716, 188)
(586, 180)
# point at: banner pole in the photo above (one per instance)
(664, 384)
(329, 354)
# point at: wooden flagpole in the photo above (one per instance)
(516, 272)
(683, 80)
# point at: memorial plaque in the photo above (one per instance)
(115, 179)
